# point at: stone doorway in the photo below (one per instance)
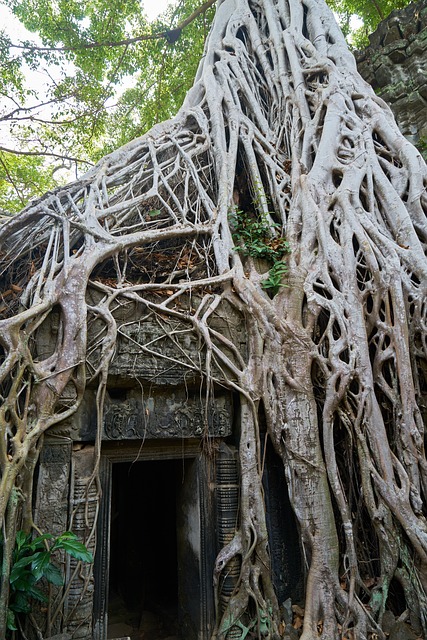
(143, 582)
(156, 543)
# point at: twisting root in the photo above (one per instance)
(280, 126)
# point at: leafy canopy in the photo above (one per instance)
(369, 12)
(91, 76)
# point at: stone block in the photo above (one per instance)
(383, 75)
(131, 415)
(395, 64)
(388, 621)
(402, 631)
(392, 34)
(397, 55)
(119, 630)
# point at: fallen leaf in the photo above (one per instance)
(297, 623)
(370, 582)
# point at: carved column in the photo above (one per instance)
(227, 500)
(84, 504)
(51, 515)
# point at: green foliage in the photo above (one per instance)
(258, 238)
(101, 83)
(164, 73)
(22, 178)
(259, 626)
(422, 147)
(370, 12)
(31, 562)
(275, 277)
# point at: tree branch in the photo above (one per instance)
(46, 153)
(170, 35)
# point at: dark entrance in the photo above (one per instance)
(155, 542)
(143, 581)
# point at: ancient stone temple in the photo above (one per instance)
(167, 497)
(395, 64)
(154, 354)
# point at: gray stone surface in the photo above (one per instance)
(131, 415)
(388, 621)
(51, 512)
(286, 611)
(166, 416)
(166, 351)
(84, 500)
(155, 349)
(395, 64)
(291, 633)
(402, 631)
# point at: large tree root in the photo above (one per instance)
(280, 126)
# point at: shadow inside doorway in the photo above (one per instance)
(143, 585)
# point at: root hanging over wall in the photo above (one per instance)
(278, 138)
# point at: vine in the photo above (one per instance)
(335, 362)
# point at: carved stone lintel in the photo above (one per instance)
(177, 414)
(165, 417)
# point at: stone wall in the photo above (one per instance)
(395, 64)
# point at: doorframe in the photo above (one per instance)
(140, 451)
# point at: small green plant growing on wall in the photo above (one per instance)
(31, 562)
(253, 237)
(422, 146)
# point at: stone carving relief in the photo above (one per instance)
(146, 351)
(84, 505)
(162, 414)
(163, 350)
(165, 418)
(51, 509)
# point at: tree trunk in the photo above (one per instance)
(279, 137)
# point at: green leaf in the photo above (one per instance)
(22, 539)
(67, 535)
(53, 575)
(20, 603)
(69, 543)
(77, 550)
(18, 568)
(37, 542)
(10, 621)
(23, 582)
(35, 593)
(40, 563)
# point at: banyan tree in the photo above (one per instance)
(283, 187)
